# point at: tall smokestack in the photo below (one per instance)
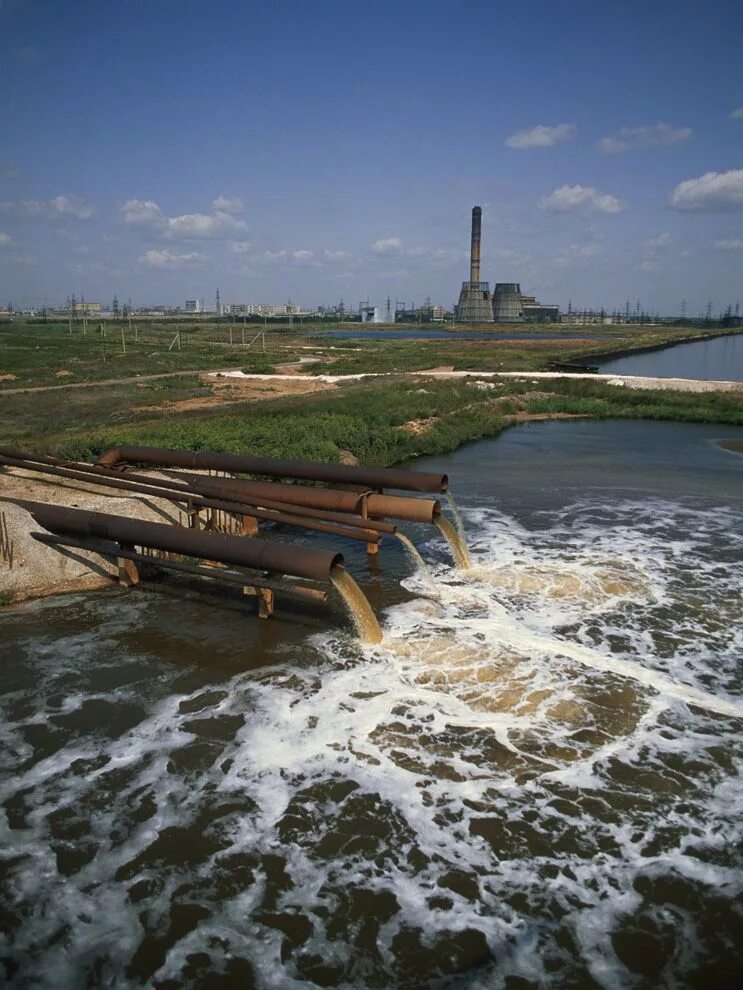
(475, 246)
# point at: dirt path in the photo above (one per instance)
(107, 381)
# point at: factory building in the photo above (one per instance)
(536, 312)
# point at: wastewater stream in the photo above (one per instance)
(533, 780)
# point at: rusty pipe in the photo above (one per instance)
(241, 551)
(352, 528)
(343, 474)
(200, 570)
(329, 499)
(421, 510)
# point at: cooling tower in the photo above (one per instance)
(507, 303)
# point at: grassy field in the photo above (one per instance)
(385, 423)
(378, 422)
(33, 354)
(48, 354)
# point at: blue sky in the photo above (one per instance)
(319, 150)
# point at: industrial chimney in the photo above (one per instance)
(475, 245)
(475, 303)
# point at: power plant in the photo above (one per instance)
(475, 302)
(476, 305)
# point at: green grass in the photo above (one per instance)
(36, 354)
(364, 419)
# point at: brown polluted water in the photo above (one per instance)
(534, 780)
(417, 559)
(455, 541)
(358, 605)
(459, 522)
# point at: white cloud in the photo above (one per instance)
(5, 240)
(661, 241)
(577, 252)
(634, 138)
(431, 253)
(147, 215)
(164, 259)
(541, 136)
(398, 274)
(275, 255)
(197, 226)
(240, 247)
(21, 259)
(337, 255)
(142, 213)
(737, 114)
(228, 204)
(566, 199)
(303, 255)
(59, 208)
(732, 244)
(713, 191)
(387, 246)
(649, 266)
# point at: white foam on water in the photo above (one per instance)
(542, 755)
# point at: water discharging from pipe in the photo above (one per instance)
(358, 605)
(455, 541)
(457, 516)
(415, 556)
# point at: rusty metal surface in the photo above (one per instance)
(342, 474)
(241, 551)
(422, 510)
(293, 590)
(328, 499)
(321, 522)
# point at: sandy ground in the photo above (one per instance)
(39, 570)
(227, 389)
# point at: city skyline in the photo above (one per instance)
(320, 153)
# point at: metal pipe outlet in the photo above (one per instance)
(240, 551)
(341, 474)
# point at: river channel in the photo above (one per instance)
(719, 359)
(534, 781)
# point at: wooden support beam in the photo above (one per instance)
(128, 572)
(249, 525)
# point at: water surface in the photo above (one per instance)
(534, 781)
(720, 359)
(425, 334)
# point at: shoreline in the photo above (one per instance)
(55, 572)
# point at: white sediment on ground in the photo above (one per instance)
(626, 381)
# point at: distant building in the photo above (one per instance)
(193, 306)
(370, 314)
(536, 312)
(271, 309)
